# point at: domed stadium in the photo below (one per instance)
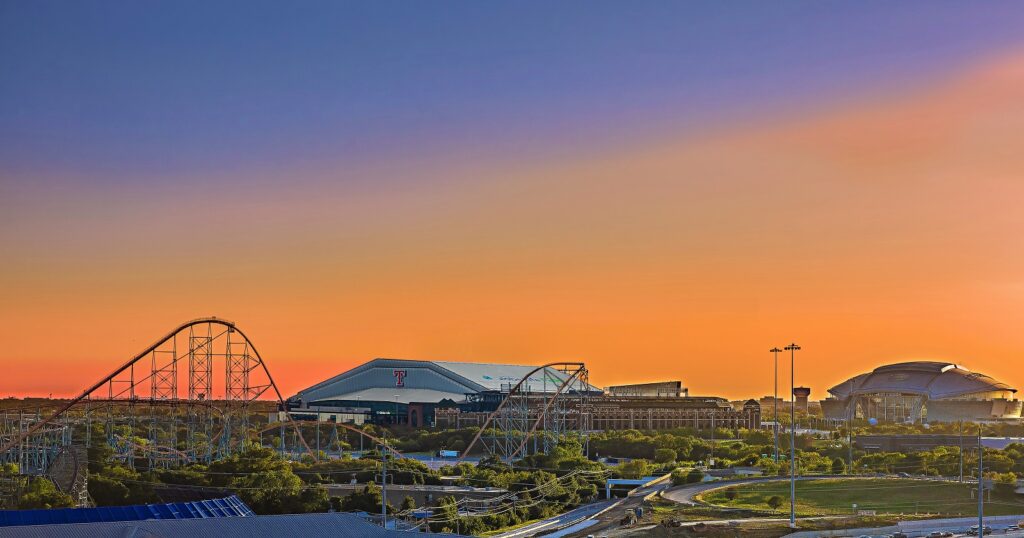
(911, 392)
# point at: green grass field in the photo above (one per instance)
(886, 496)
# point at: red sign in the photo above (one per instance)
(399, 378)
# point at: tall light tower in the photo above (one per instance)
(792, 349)
(775, 416)
(981, 484)
(384, 478)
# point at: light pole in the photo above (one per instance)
(359, 404)
(981, 486)
(775, 402)
(384, 478)
(961, 451)
(792, 349)
(849, 433)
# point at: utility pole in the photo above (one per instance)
(792, 348)
(849, 433)
(384, 480)
(775, 402)
(711, 460)
(961, 451)
(981, 486)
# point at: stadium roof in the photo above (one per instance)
(334, 525)
(495, 376)
(935, 380)
(435, 380)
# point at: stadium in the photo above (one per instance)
(407, 392)
(421, 393)
(917, 392)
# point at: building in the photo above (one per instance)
(922, 392)
(230, 506)
(608, 412)
(801, 394)
(462, 394)
(672, 389)
(409, 392)
(334, 525)
(661, 413)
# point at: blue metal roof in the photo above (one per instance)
(319, 525)
(227, 507)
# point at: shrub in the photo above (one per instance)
(665, 455)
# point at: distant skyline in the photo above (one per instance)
(663, 190)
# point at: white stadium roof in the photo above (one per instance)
(499, 376)
(428, 381)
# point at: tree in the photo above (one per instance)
(1006, 483)
(774, 502)
(838, 466)
(408, 503)
(686, 476)
(665, 455)
(635, 469)
(266, 482)
(367, 500)
(446, 515)
(278, 492)
(107, 491)
(42, 493)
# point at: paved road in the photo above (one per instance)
(579, 514)
(610, 519)
(587, 516)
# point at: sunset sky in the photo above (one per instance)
(664, 190)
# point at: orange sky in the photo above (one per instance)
(884, 229)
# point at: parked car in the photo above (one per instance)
(935, 534)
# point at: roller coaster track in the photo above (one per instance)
(374, 438)
(162, 381)
(516, 408)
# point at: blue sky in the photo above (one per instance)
(125, 91)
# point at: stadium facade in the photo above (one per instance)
(446, 394)
(408, 392)
(914, 392)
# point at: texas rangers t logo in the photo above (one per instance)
(399, 378)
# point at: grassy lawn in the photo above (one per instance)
(895, 496)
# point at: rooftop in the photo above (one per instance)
(333, 525)
(936, 380)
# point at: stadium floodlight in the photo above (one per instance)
(792, 349)
(775, 402)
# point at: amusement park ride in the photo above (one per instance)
(202, 391)
(192, 396)
(534, 419)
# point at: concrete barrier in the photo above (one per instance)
(871, 531)
(915, 528)
(924, 526)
